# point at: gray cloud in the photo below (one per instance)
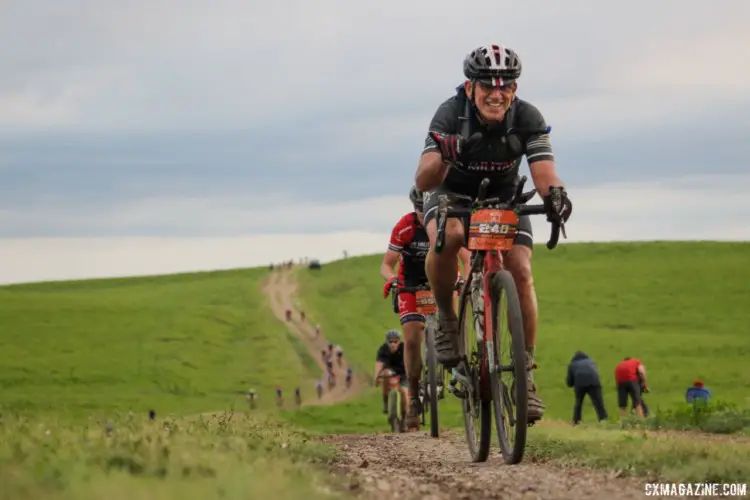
(689, 208)
(105, 109)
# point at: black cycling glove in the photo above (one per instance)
(558, 205)
(454, 147)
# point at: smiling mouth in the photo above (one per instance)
(495, 104)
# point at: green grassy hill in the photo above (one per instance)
(183, 343)
(78, 354)
(681, 308)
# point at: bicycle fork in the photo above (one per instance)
(460, 384)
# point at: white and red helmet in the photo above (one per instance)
(493, 64)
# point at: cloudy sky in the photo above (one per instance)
(167, 135)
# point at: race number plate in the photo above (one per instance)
(426, 302)
(492, 229)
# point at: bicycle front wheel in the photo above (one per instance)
(475, 402)
(393, 411)
(508, 375)
(432, 381)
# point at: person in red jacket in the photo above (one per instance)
(628, 373)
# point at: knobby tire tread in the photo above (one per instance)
(479, 452)
(432, 382)
(502, 283)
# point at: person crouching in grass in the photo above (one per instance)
(583, 377)
(629, 375)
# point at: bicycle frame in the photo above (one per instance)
(484, 265)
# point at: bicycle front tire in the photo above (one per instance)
(432, 393)
(475, 405)
(512, 438)
(393, 410)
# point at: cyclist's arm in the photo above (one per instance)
(464, 256)
(538, 150)
(390, 259)
(378, 369)
(432, 169)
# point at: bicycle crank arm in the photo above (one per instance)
(464, 389)
(456, 391)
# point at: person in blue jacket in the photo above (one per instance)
(583, 377)
(698, 391)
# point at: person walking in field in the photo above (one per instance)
(583, 377)
(251, 398)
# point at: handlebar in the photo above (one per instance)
(426, 287)
(517, 204)
(387, 373)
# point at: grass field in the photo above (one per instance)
(183, 343)
(79, 354)
(681, 308)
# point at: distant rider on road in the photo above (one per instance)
(391, 355)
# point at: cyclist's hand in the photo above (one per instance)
(460, 282)
(453, 147)
(559, 207)
(391, 283)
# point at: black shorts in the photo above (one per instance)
(459, 209)
(625, 389)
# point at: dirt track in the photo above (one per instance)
(413, 465)
(280, 288)
(417, 466)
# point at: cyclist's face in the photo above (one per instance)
(420, 217)
(393, 345)
(492, 101)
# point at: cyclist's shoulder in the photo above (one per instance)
(406, 220)
(453, 103)
(405, 224)
(450, 109)
(526, 113)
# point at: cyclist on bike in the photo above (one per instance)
(409, 244)
(319, 388)
(391, 356)
(339, 354)
(252, 397)
(279, 399)
(454, 162)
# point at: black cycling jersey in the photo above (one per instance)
(499, 155)
(392, 360)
